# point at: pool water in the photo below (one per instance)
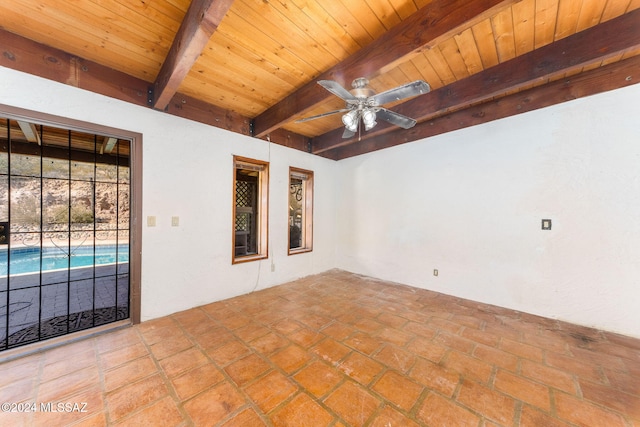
(27, 260)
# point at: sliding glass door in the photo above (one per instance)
(65, 199)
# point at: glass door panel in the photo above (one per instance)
(64, 200)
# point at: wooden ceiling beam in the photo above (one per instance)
(194, 109)
(197, 27)
(107, 144)
(609, 77)
(30, 132)
(21, 54)
(427, 27)
(289, 139)
(590, 46)
(25, 55)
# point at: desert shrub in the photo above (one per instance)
(79, 215)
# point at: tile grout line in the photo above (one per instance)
(224, 373)
(165, 379)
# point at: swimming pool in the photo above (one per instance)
(27, 260)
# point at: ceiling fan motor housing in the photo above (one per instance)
(361, 89)
(359, 82)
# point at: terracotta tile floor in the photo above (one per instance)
(335, 349)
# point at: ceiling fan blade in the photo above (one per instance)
(408, 90)
(347, 133)
(336, 89)
(329, 113)
(395, 118)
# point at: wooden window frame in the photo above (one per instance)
(307, 215)
(262, 217)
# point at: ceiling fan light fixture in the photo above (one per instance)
(350, 120)
(369, 119)
(362, 102)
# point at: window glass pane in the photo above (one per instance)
(123, 150)
(25, 204)
(109, 237)
(55, 168)
(250, 209)
(300, 210)
(123, 206)
(25, 151)
(82, 212)
(122, 296)
(24, 165)
(123, 251)
(55, 161)
(55, 257)
(82, 171)
(246, 212)
(4, 145)
(83, 156)
(27, 301)
(24, 258)
(81, 300)
(4, 232)
(55, 205)
(123, 174)
(296, 211)
(54, 316)
(106, 172)
(4, 198)
(106, 206)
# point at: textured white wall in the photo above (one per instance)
(470, 204)
(188, 172)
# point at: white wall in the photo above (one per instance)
(188, 172)
(470, 204)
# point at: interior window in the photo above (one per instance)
(251, 183)
(300, 210)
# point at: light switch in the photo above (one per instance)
(546, 224)
(175, 221)
(151, 221)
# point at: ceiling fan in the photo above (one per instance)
(363, 104)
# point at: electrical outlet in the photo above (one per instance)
(435, 271)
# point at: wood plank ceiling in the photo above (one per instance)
(251, 66)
